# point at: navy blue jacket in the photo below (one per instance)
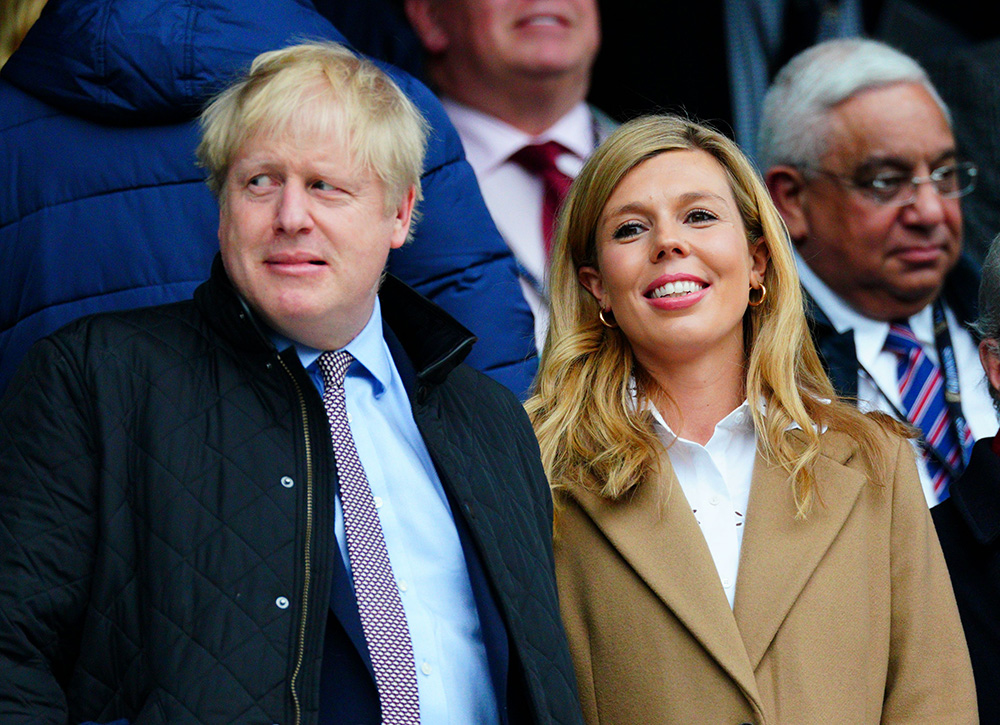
(968, 524)
(103, 208)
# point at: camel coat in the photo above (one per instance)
(845, 617)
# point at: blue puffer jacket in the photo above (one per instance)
(102, 206)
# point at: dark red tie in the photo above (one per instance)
(540, 159)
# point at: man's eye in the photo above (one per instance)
(945, 172)
(887, 183)
(628, 230)
(323, 185)
(261, 180)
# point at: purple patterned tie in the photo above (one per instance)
(382, 617)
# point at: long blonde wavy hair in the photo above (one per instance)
(591, 433)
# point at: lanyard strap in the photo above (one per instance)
(949, 370)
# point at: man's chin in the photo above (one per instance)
(907, 300)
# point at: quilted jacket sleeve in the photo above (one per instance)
(458, 259)
(47, 534)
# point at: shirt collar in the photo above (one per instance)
(739, 421)
(869, 334)
(367, 348)
(490, 142)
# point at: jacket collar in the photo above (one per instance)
(779, 552)
(836, 349)
(657, 535)
(433, 342)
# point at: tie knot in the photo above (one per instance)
(901, 339)
(538, 158)
(333, 366)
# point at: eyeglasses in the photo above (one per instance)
(893, 188)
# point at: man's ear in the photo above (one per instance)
(424, 17)
(403, 218)
(787, 187)
(989, 356)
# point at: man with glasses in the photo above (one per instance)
(860, 159)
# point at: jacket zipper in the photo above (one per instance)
(307, 580)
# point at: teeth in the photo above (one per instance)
(544, 20)
(676, 289)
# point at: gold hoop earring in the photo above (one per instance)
(760, 300)
(604, 322)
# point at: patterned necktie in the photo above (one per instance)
(382, 617)
(540, 159)
(921, 388)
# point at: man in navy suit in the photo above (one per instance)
(968, 522)
(286, 500)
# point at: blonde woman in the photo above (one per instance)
(733, 543)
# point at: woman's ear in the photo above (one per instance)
(760, 255)
(590, 278)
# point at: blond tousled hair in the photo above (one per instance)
(591, 433)
(319, 88)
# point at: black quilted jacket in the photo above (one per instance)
(165, 503)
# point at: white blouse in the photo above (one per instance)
(715, 479)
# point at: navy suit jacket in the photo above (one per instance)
(968, 525)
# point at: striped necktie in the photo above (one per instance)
(379, 605)
(921, 389)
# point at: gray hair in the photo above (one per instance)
(793, 123)
(987, 325)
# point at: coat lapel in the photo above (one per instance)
(780, 553)
(656, 533)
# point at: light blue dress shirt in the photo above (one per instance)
(453, 676)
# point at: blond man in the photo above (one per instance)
(286, 500)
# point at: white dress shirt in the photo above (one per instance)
(716, 479)
(514, 195)
(453, 675)
(878, 386)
